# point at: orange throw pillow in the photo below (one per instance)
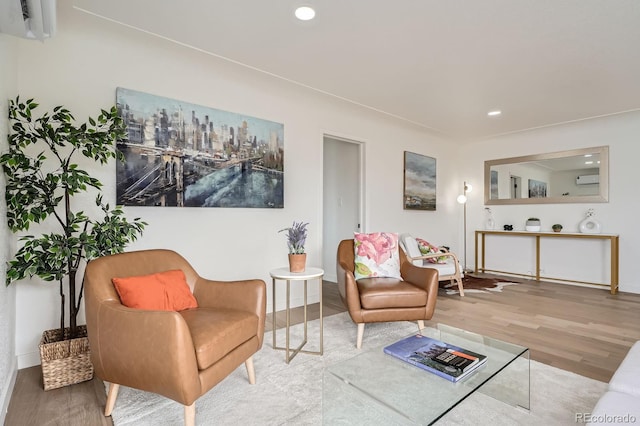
(163, 291)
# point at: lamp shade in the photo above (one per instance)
(461, 199)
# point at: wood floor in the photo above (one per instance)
(583, 330)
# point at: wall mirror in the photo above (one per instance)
(575, 176)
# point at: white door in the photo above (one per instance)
(341, 197)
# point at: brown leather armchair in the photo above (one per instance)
(386, 299)
(180, 355)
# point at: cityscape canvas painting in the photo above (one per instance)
(180, 154)
(537, 189)
(419, 182)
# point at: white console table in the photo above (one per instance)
(613, 239)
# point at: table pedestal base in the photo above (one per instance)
(283, 274)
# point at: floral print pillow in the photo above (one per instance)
(376, 255)
(428, 248)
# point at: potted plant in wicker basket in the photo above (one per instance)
(296, 238)
(43, 185)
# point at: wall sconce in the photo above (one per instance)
(462, 199)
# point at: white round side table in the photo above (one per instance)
(285, 275)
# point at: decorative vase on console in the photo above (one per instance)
(533, 224)
(589, 225)
(489, 223)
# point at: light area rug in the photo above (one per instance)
(292, 394)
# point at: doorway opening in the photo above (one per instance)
(342, 197)
(516, 191)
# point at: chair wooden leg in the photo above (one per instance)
(460, 286)
(250, 370)
(111, 398)
(190, 415)
(420, 324)
(360, 335)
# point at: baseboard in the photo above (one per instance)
(330, 277)
(8, 390)
(29, 359)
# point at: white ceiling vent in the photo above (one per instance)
(34, 19)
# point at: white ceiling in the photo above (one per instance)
(442, 64)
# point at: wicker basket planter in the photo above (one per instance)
(65, 362)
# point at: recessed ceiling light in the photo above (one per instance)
(305, 13)
(588, 162)
(588, 155)
(494, 113)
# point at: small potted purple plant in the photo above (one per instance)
(296, 239)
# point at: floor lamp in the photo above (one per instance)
(462, 199)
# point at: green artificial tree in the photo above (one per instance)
(42, 179)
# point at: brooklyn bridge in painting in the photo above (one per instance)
(186, 155)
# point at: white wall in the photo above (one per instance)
(8, 365)
(619, 216)
(524, 172)
(565, 182)
(89, 57)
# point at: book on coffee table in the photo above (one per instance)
(446, 360)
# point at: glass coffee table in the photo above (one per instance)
(376, 388)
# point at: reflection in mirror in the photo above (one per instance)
(576, 176)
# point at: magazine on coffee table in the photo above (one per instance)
(446, 360)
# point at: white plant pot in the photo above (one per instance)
(532, 228)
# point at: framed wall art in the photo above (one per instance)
(419, 182)
(180, 154)
(494, 184)
(537, 189)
